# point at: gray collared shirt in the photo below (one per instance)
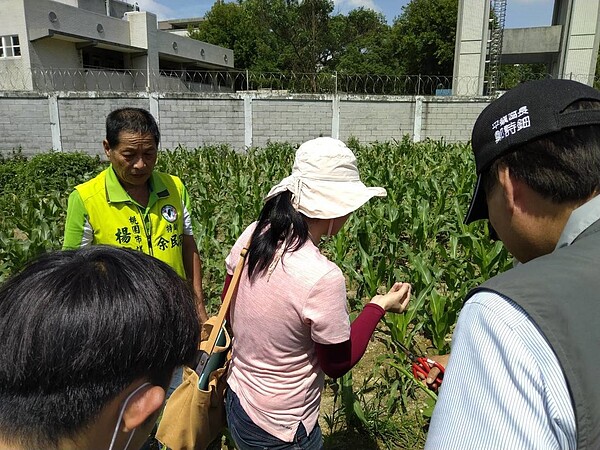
(579, 220)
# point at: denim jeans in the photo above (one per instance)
(248, 436)
(176, 380)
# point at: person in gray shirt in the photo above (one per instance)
(520, 375)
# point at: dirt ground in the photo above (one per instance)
(345, 439)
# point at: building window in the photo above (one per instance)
(98, 58)
(9, 46)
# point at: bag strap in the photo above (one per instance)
(214, 333)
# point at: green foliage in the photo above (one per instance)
(416, 234)
(226, 190)
(35, 226)
(271, 35)
(424, 37)
(303, 27)
(58, 170)
(33, 203)
(365, 44)
(232, 26)
(10, 171)
(514, 74)
(383, 408)
(300, 36)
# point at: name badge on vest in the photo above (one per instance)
(169, 213)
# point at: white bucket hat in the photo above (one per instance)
(325, 183)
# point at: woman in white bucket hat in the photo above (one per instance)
(289, 318)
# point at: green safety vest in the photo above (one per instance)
(118, 220)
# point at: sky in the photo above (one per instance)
(519, 13)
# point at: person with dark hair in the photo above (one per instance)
(89, 340)
(132, 206)
(289, 318)
(520, 374)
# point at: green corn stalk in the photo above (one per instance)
(353, 412)
(416, 234)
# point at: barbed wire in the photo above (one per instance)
(202, 81)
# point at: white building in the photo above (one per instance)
(101, 45)
(180, 26)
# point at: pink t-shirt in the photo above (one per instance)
(276, 321)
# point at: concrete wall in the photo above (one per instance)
(73, 21)
(82, 120)
(370, 119)
(52, 31)
(13, 23)
(191, 122)
(292, 119)
(117, 8)
(531, 45)
(25, 122)
(191, 49)
(71, 121)
(451, 121)
(54, 53)
(580, 40)
(575, 58)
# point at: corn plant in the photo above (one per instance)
(416, 234)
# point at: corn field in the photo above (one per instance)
(415, 234)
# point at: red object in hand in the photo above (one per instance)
(422, 365)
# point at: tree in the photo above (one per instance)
(304, 37)
(513, 74)
(300, 27)
(365, 45)
(272, 35)
(424, 36)
(231, 25)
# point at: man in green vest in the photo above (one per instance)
(523, 373)
(131, 205)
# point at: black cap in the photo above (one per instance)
(526, 113)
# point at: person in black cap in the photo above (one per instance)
(523, 373)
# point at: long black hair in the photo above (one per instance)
(278, 223)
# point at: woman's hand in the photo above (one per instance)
(396, 300)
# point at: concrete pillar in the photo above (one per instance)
(335, 117)
(154, 107)
(575, 58)
(580, 20)
(54, 122)
(143, 33)
(247, 120)
(418, 121)
(471, 47)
